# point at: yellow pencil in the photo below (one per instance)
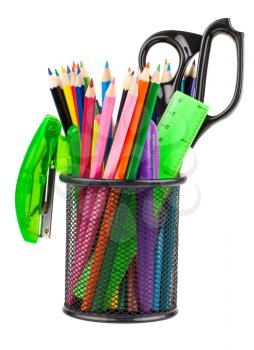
(113, 304)
(66, 83)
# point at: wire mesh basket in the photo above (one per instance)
(121, 249)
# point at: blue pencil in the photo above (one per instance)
(158, 256)
(190, 80)
(168, 251)
(106, 80)
(80, 95)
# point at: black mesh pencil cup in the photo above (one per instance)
(121, 249)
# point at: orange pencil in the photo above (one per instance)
(126, 152)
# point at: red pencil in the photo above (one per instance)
(87, 131)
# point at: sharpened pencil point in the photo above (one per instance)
(68, 70)
(168, 68)
(158, 67)
(56, 72)
(148, 65)
(63, 70)
(81, 64)
(74, 65)
(91, 83)
(106, 65)
(78, 69)
(113, 81)
(49, 71)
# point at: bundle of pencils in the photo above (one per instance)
(101, 278)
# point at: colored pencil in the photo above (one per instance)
(59, 79)
(126, 152)
(105, 121)
(164, 69)
(84, 74)
(144, 124)
(95, 134)
(168, 254)
(158, 259)
(68, 71)
(132, 299)
(59, 100)
(190, 79)
(126, 85)
(121, 131)
(73, 89)
(87, 130)
(167, 75)
(182, 88)
(68, 96)
(80, 95)
(106, 79)
(193, 81)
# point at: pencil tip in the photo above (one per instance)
(129, 69)
(158, 67)
(56, 72)
(78, 69)
(63, 70)
(113, 81)
(106, 65)
(194, 63)
(49, 71)
(74, 64)
(166, 61)
(132, 73)
(73, 69)
(169, 68)
(148, 65)
(81, 64)
(91, 83)
(68, 70)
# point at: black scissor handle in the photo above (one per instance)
(221, 26)
(186, 44)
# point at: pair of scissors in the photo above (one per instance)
(187, 45)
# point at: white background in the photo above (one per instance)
(216, 289)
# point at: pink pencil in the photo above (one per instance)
(85, 237)
(121, 131)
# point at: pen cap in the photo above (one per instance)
(149, 163)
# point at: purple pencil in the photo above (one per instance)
(146, 225)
